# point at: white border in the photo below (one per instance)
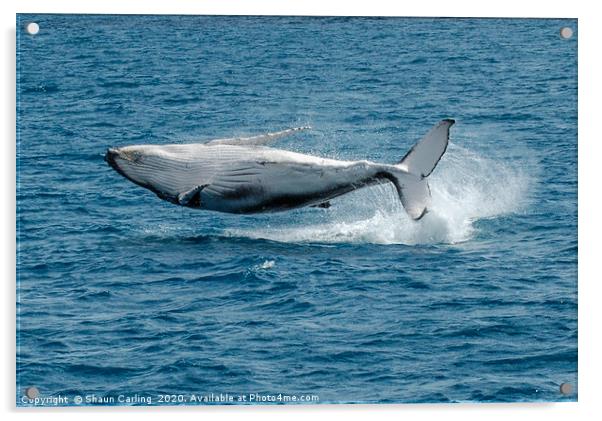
(473, 8)
(589, 204)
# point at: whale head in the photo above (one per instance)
(148, 166)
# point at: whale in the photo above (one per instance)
(247, 175)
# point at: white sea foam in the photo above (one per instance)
(267, 264)
(465, 187)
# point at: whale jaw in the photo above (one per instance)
(125, 160)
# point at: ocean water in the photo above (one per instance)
(122, 294)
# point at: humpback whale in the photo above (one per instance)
(243, 175)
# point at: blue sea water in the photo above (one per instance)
(120, 293)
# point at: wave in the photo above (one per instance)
(465, 187)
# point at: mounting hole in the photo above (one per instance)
(32, 392)
(32, 28)
(566, 32)
(566, 388)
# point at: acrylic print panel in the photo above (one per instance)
(330, 264)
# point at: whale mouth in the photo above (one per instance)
(111, 157)
(132, 159)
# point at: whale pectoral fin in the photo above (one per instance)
(192, 197)
(257, 140)
(323, 205)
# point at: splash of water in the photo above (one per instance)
(465, 187)
(267, 264)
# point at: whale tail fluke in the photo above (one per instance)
(424, 156)
(417, 165)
